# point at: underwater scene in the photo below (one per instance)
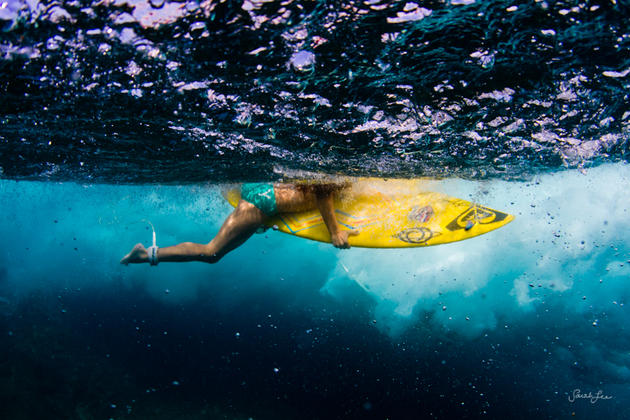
(126, 121)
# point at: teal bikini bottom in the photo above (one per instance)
(262, 196)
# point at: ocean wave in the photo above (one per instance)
(138, 91)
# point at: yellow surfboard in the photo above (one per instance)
(388, 215)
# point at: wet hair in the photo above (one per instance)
(322, 188)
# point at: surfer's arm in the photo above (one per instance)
(338, 236)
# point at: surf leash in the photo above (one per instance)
(153, 249)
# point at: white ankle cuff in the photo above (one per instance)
(153, 257)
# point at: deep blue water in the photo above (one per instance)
(115, 115)
(507, 324)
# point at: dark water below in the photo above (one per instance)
(511, 323)
(141, 108)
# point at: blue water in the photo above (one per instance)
(118, 115)
(509, 323)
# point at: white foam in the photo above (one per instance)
(557, 249)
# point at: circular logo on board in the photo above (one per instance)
(416, 235)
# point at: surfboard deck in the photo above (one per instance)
(392, 217)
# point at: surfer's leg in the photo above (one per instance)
(237, 228)
(240, 225)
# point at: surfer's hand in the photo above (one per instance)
(340, 239)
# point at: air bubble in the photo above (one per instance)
(302, 60)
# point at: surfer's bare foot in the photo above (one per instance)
(137, 255)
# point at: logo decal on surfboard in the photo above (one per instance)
(415, 235)
(476, 214)
(421, 214)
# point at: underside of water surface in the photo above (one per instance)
(151, 91)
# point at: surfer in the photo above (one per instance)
(258, 203)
